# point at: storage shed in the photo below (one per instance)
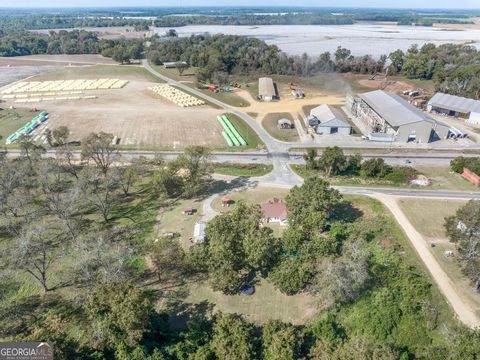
(199, 232)
(174, 64)
(285, 124)
(266, 89)
(452, 105)
(328, 120)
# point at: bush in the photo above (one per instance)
(375, 168)
(401, 174)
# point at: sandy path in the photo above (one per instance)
(286, 104)
(463, 309)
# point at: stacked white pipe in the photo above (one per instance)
(176, 96)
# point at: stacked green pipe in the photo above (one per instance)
(234, 131)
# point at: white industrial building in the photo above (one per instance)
(326, 119)
(266, 89)
(388, 117)
(457, 106)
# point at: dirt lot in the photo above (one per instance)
(46, 60)
(115, 32)
(134, 114)
(391, 84)
(287, 104)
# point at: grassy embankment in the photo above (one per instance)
(441, 178)
(246, 170)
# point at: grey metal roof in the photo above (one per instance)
(395, 110)
(265, 87)
(329, 116)
(454, 103)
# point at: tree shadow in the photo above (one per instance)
(346, 212)
(222, 187)
(183, 313)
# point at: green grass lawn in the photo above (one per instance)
(13, 119)
(242, 169)
(250, 136)
(172, 219)
(265, 304)
(97, 71)
(428, 215)
(270, 123)
(442, 177)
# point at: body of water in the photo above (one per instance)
(361, 39)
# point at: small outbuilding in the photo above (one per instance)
(266, 89)
(226, 201)
(199, 232)
(189, 211)
(174, 64)
(471, 176)
(329, 120)
(274, 211)
(285, 124)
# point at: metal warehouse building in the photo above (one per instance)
(266, 89)
(454, 105)
(388, 117)
(328, 120)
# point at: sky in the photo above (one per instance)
(438, 4)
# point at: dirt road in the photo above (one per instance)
(464, 310)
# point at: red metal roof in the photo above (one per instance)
(274, 208)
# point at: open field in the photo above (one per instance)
(428, 217)
(374, 38)
(49, 60)
(270, 123)
(137, 116)
(109, 33)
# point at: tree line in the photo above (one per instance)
(18, 43)
(333, 162)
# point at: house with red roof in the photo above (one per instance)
(274, 211)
